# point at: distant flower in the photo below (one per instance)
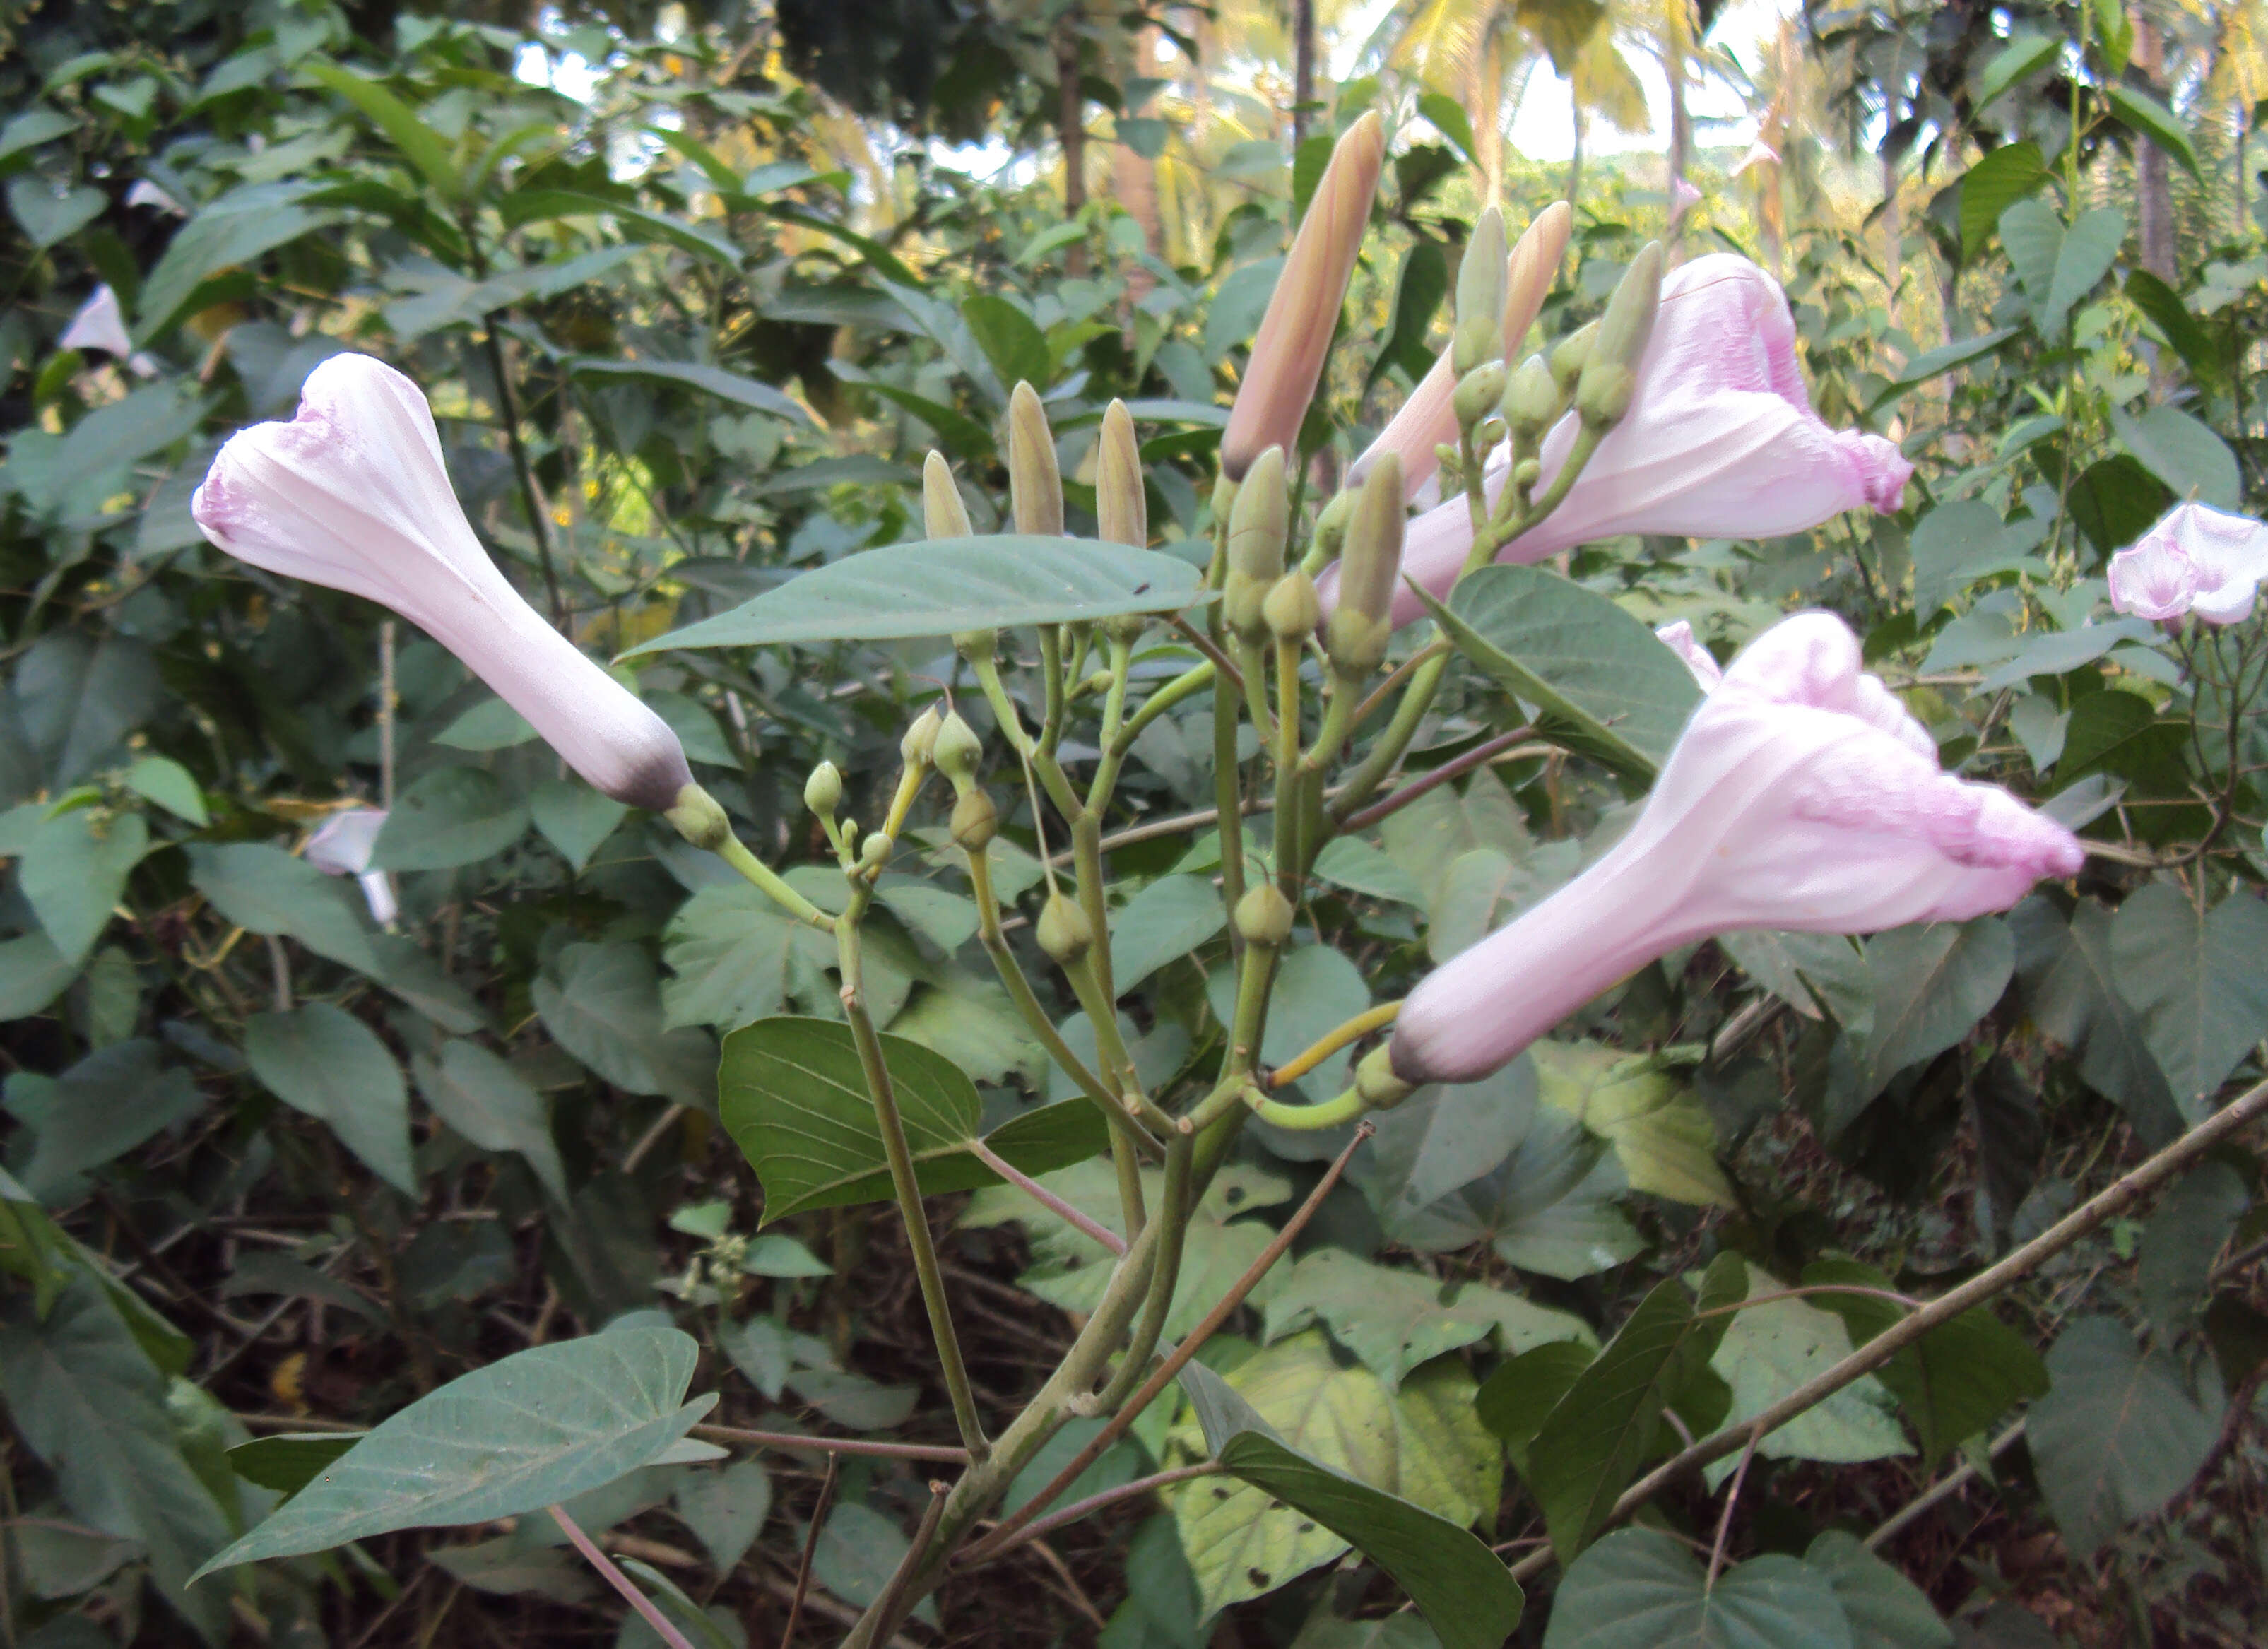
(342, 846)
(2195, 560)
(1803, 796)
(1760, 154)
(353, 493)
(99, 325)
(1679, 639)
(145, 193)
(1720, 442)
(1683, 197)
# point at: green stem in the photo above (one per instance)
(1290, 868)
(1165, 1272)
(904, 1181)
(1228, 797)
(767, 881)
(1186, 685)
(1308, 1118)
(1386, 754)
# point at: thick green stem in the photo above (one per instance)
(1386, 754)
(1290, 867)
(1165, 1274)
(1186, 685)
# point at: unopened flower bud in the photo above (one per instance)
(943, 513)
(1331, 525)
(956, 752)
(875, 850)
(1291, 610)
(1258, 524)
(1035, 483)
(1263, 916)
(1610, 378)
(1478, 392)
(1526, 473)
(1362, 622)
(1569, 354)
(1489, 436)
(1375, 1081)
(1531, 400)
(916, 747)
(977, 645)
(976, 820)
(1122, 512)
(1062, 930)
(1480, 296)
(1533, 267)
(822, 792)
(697, 817)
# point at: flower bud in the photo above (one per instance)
(1481, 287)
(697, 816)
(822, 792)
(1610, 378)
(1258, 524)
(920, 742)
(1375, 1081)
(1532, 403)
(977, 645)
(1362, 622)
(1122, 512)
(1035, 483)
(1478, 392)
(956, 752)
(1295, 334)
(1331, 525)
(1062, 930)
(1263, 916)
(1569, 354)
(1534, 265)
(875, 850)
(1291, 610)
(943, 513)
(976, 820)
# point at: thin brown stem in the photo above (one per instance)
(796, 1443)
(1480, 753)
(664, 1628)
(810, 1547)
(1066, 1515)
(1046, 1198)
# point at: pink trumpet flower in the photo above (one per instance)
(1680, 639)
(353, 494)
(100, 325)
(1801, 795)
(2195, 560)
(342, 846)
(1720, 442)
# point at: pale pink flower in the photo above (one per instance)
(2195, 560)
(1720, 442)
(1802, 796)
(145, 193)
(1683, 197)
(1680, 639)
(99, 325)
(353, 493)
(342, 846)
(1760, 154)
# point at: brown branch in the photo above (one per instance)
(1486, 751)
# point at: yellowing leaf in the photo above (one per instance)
(1659, 1131)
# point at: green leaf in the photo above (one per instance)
(32, 975)
(2196, 982)
(973, 1022)
(1602, 684)
(2188, 457)
(2115, 499)
(1953, 1382)
(792, 1094)
(712, 380)
(2073, 989)
(574, 818)
(486, 1101)
(1640, 1588)
(2088, 252)
(738, 958)
(1168, 920)
(2023, 55)
(166, 781)
(74, 872)
(1804, 970)
(2139, 112)
(2032, 234)
(1885, 1610)
(239, 227)
(48, 214)
(1659, 1128)
(87, 1399)
(1419, 290)
(1462, 1589)
(418, 144)
(528, 206)
(602, 1004)
(937, 588)
(490, 724)
(36, 125)
(96, 1112)
(1944, 358)
(1997, 181)
(1931, 982)
(775, 1255)
(1959, 543)
(1443, 1137)
(288, 1462)
(1767, 1350)
(451, 816)
(1362, 866)
(1514, 1401)
(266, 890)
(2184, 1236)
(2170, 315)
(2117, 1435)
(1011, 339)
(1450, 119)
(1395, 1320)
(527, 1431)
(322, 1060)
(1610, 1422)
(725, 1508)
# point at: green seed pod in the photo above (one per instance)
(1360, 625)
(1569, 354)
(976, 820)
(1291, 610)
(1477, 394)
(1374, 1080)
(822, 792)
(943, 513)
(1062, 930)
(1035, 483)
(1479, 336)
(1532, 403)
(1610, 378)
(697, 816)
(1263, 916)
(956, 752)
(920, 742)
(1258, 525)
(1122, 512)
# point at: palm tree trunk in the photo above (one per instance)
(1303, 67)
(1134, 179)
(1071, 124)
(2153, 196)
(1575, 155)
